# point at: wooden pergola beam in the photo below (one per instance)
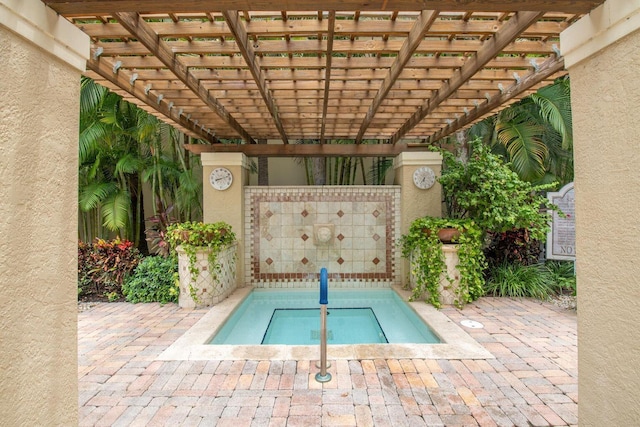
(309, 150)
(315, 63)
(489, 50)
(547, 69)
(106, 7)
(416, 36)
(246, 49)
(303, 27)
(282, 47)
(140, 30)
(327, 75)
(122, 80)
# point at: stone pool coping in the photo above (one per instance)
(456, 343)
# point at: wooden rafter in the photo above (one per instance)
(363, 71)
(105, 7)
(308, 150)
(327, 75)
(242, 41)
(122, 80)
(547, 69)
(489, 50)
(138, 27)
(416, 36)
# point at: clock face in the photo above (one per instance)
(221, 178)
(424, 177)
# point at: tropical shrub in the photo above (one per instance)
(103, 267)
(539, 281)
(563, 274)
(423, 247)
(155, 279)
(156, 233)
(516, 280)
(514, 246)
(485, 190)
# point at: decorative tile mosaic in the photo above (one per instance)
(284, 249)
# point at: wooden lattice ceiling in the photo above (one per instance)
(380, 70)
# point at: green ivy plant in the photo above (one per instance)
(424, 248)
(193, 236)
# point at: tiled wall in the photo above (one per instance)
(286, 231)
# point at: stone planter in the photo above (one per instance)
(447, 289)
(210, 287)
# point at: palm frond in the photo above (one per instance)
(129, 163)
(554, 103)
(90, 140)
(94, 194)
(522, 139)
(379, 169)
(91, 96)
(115, 211)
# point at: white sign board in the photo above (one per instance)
(561, 240)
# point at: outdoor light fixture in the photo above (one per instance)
(517, 77)
(534, 64)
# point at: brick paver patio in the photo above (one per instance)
(531, 382)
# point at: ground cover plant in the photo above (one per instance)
(542, 281)
(155, 279)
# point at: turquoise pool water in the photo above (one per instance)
(292, 317)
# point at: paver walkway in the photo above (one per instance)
(532, 381)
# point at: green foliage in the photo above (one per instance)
(103, 267)
(539, 281)
(120, 146)
(517, 280)
(563, 274)
(485, 190)
(155, 279)
(193, 236)
(512, 246)
(423, 247)
(534, 135)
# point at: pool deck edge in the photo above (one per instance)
(457, 344)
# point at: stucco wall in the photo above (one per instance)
(415, 202)
(606, 103)
(38, 236)
(227, 205)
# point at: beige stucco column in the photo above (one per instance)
(416, 202)
(42, 56)
(227, 205)
(602, 54)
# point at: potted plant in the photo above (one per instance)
(206, 261)
(481, 195)
(431, 276)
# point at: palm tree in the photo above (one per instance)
(121, 146)
(534, 135)
(109, 156)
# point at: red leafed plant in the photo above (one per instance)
(103, 266)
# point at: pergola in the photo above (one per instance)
(378, 74)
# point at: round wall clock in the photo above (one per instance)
(424, 177)
(221, 178)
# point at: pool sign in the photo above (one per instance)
(561, 239)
